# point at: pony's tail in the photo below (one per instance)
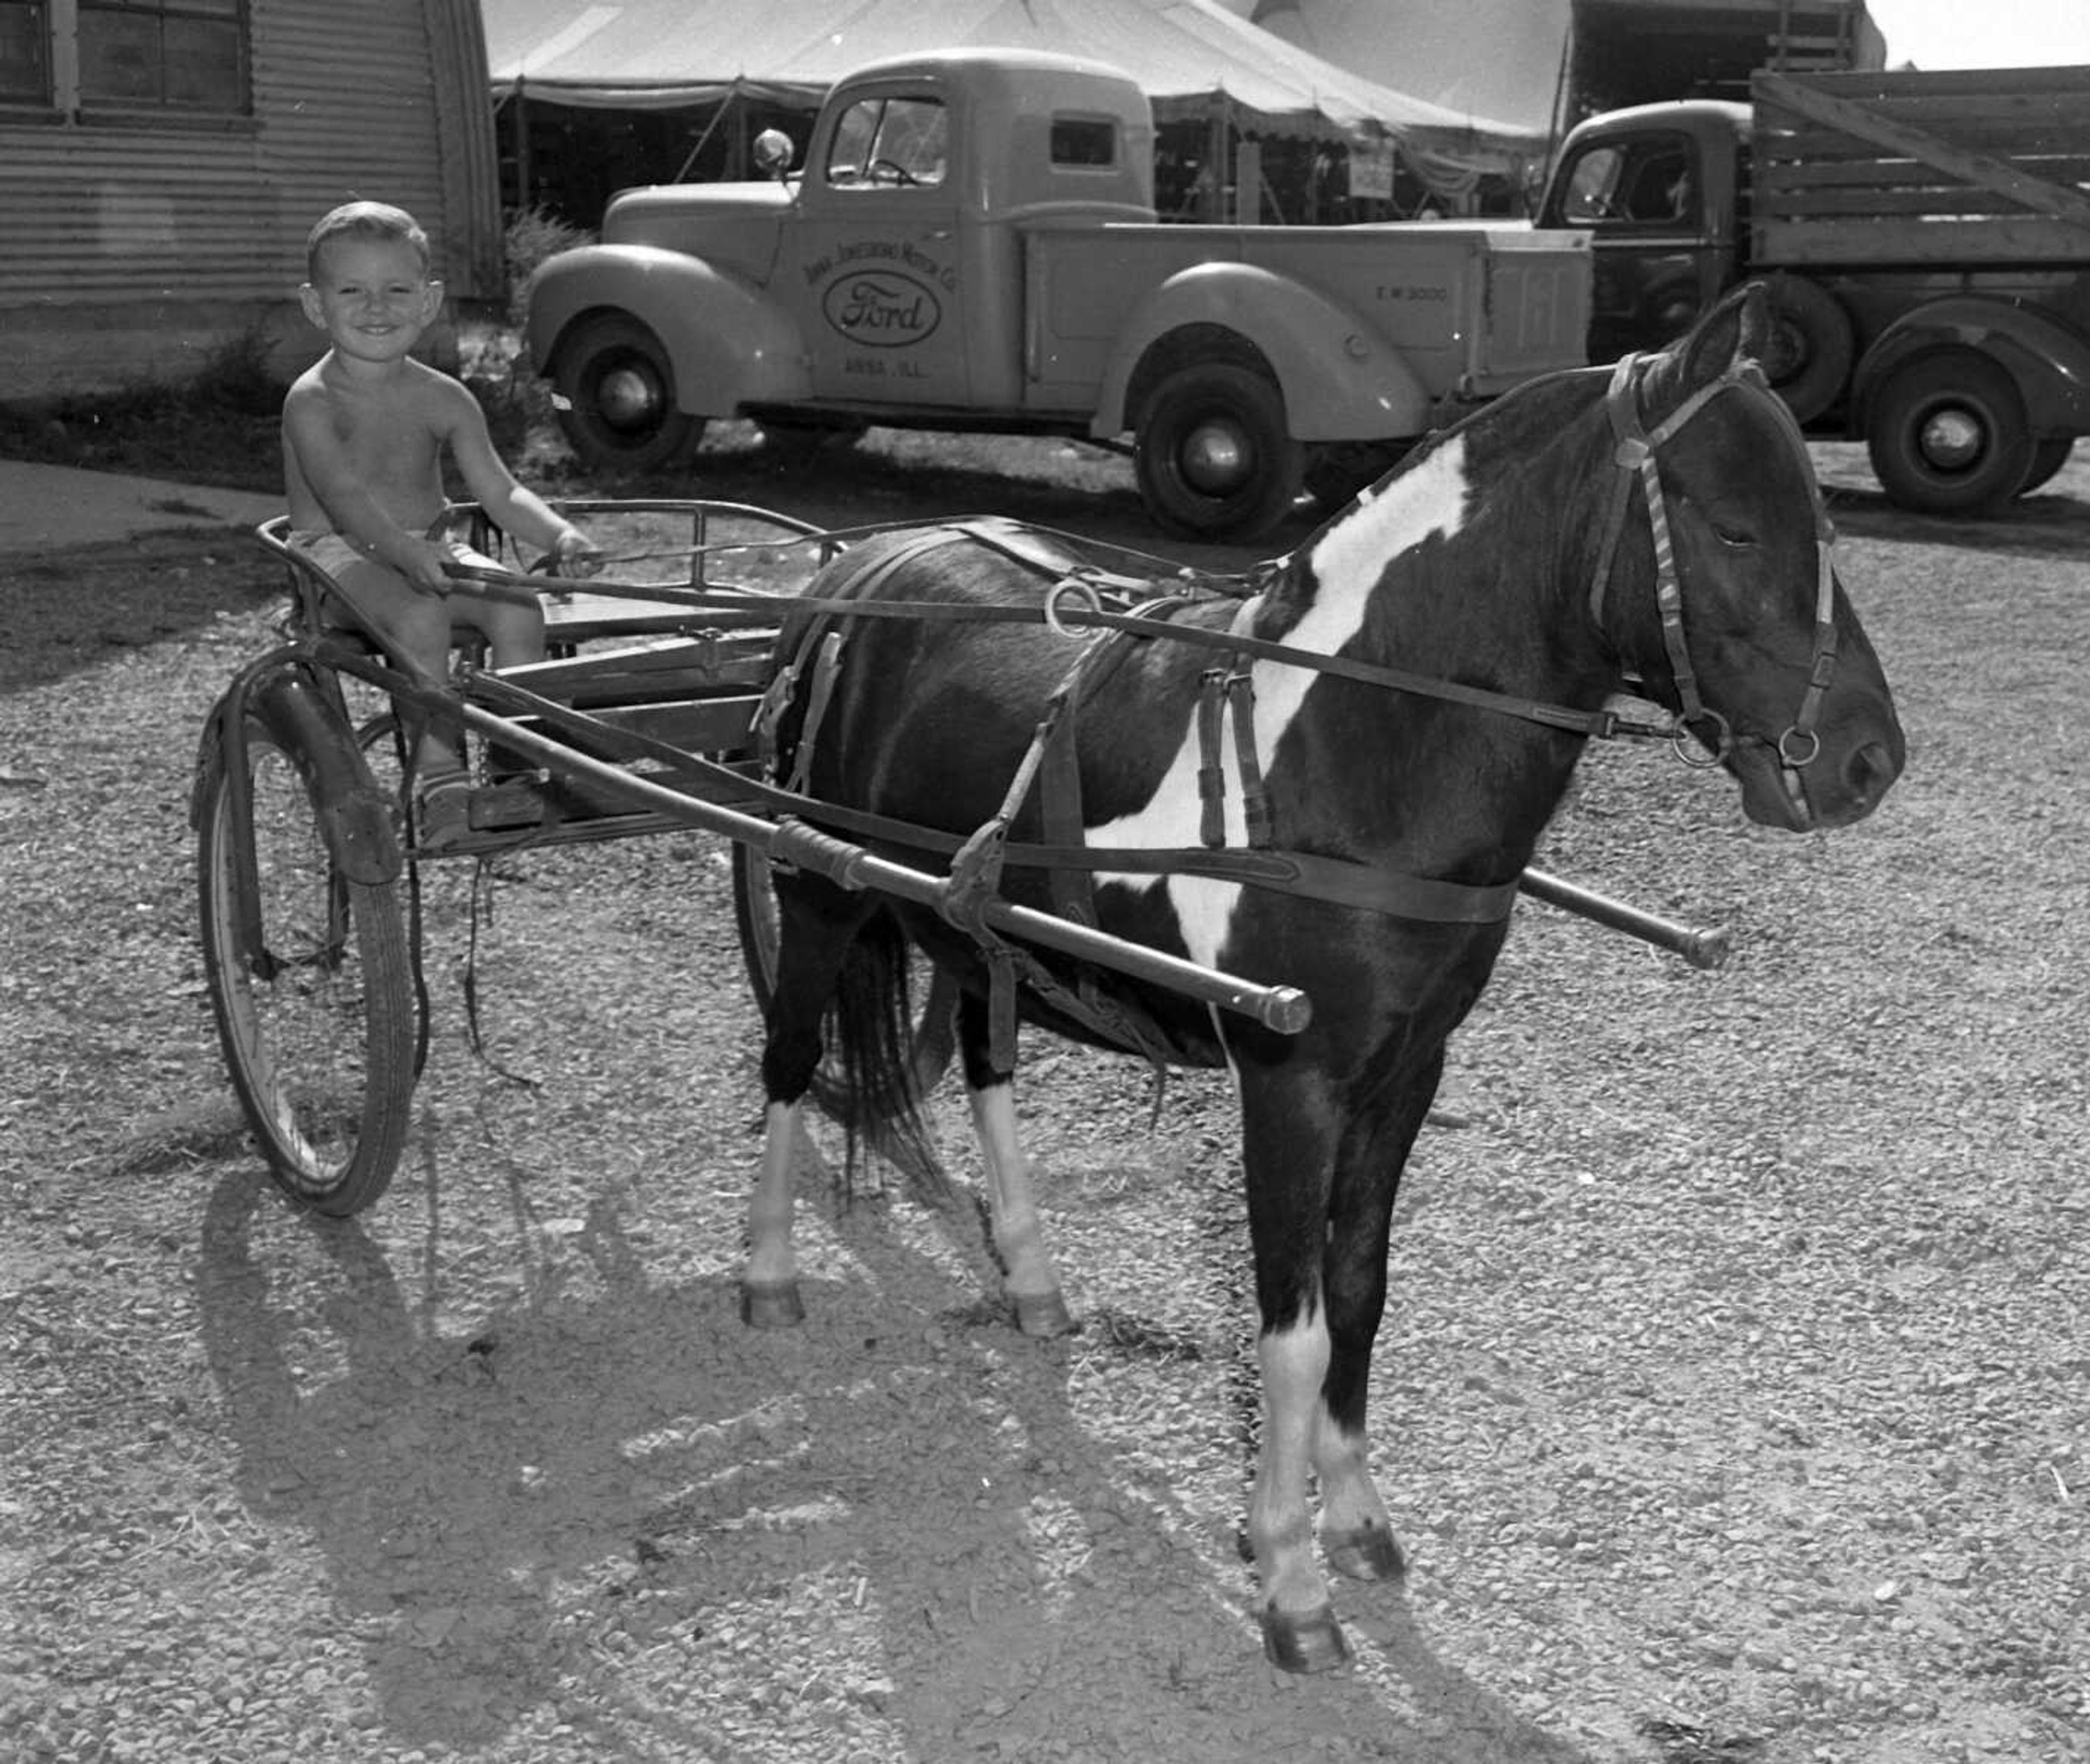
(876, 1092)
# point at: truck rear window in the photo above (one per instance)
(1084, 140)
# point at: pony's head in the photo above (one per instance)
(1716, 585)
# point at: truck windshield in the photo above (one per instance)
(889, 141)
(1648, 182)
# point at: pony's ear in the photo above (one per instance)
(1739, 326)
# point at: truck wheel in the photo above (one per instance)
(614, 392)
(2048, 458)
(1947, 435)
(1213, 457)
(1812, 345)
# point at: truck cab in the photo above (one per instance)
(1662, 190)
(1924, 239)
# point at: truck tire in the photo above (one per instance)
(1947, 434)
(1213, 456)
(1813, 345)
(2048, 458)
(614, 394)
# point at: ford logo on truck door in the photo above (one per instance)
(881, 308)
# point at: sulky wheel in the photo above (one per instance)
(614, 391)
(315, 1003)
(1947, 435)
(755, 917)
(1213, 457)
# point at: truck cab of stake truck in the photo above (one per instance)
(1924, 238)
(971, 245)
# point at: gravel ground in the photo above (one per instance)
(1731, 1402)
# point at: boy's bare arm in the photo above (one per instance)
(313, 435)
(515, 509)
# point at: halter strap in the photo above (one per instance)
(1634, 454)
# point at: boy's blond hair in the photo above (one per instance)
(364, 220)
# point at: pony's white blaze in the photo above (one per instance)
(1348, 562)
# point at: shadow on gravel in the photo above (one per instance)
(621, 1503)
(69, 610)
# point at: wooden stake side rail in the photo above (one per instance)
(1984, 167)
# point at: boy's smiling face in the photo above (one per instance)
(372, 298)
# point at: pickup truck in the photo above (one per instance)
(972, 245)
(1925, 237)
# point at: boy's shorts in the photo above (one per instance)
(334, 553)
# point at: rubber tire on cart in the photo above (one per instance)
(1213, 455)
(1947, 434)
(2048, 458)
(754, 918)
(320, 1034)
(614, 390)
(1811, 348)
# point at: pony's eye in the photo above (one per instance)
(1733, 535)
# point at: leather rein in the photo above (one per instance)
(1075, 602)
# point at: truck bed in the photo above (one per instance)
(1474, 307)
(1986, 166)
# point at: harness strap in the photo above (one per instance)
(1634, 456)
(1211, 767)
(825, 667)
(1255, 794)
(1340, 881)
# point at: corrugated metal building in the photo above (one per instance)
(161, 162)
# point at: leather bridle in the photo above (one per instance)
(1635, 454)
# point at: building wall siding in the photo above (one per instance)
(115, 237)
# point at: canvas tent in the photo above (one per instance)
(1194, 59)
(1499, 58)
(1540, 65)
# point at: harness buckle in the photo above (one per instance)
(1789, 747)
(1694, 753)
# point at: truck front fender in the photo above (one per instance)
(729, 342)
(1341, 381)
(2050, 361)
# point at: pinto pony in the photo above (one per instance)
(1331, 783)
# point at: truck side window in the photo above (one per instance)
(1084, 140)
(1646, 182)
(889, 141)
(1591, 184)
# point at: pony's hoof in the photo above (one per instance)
(1368, 1553)
(771, 1305)
(1043, 1314)
(1308, 1641)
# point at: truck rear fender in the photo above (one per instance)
(1340, 381)
(728, 343)
(2050, 361)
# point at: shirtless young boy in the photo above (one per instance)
(364, 431)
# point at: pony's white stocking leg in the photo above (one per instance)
(769, 1286)
(1299, 1628)
(1028, 1274)
(1356, 1533)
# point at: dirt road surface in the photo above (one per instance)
(1734, 1402)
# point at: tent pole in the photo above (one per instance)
(518, 119)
